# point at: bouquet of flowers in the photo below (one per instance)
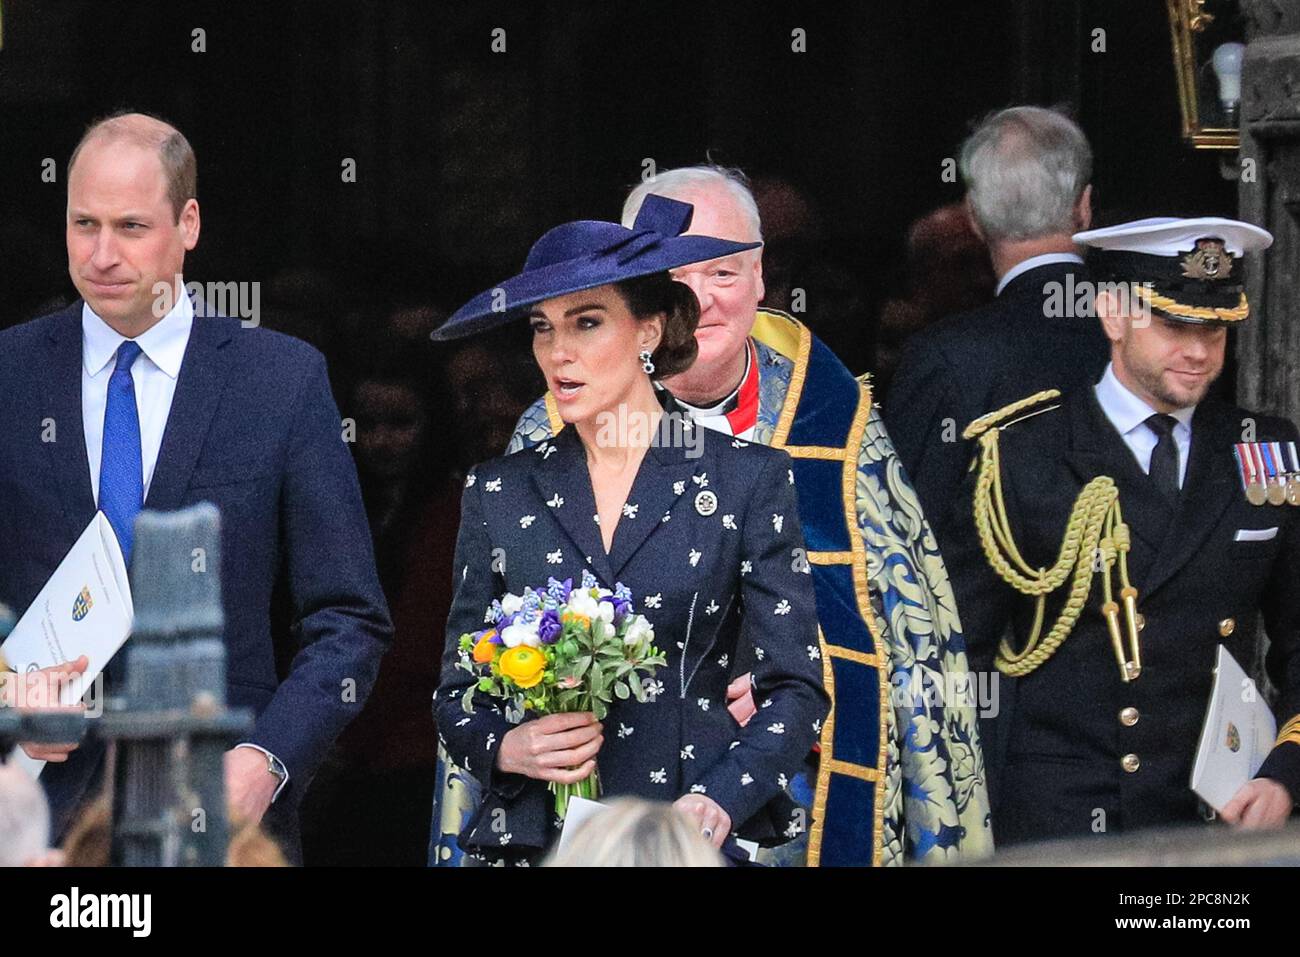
(562, 649)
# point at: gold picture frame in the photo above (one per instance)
(1188, 20)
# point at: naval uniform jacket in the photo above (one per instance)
(711, 549)
(1085, 752)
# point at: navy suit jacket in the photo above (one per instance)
(253, 428)
(712, 550)
(976, 361)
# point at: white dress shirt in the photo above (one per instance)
(154, 372)
(1033, 262)
(1129, 414)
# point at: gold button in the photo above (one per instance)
(1130, 763)
(1129, 717)
(1227, 627)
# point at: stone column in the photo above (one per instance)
(1268, 376)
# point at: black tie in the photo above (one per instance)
(1164, 458)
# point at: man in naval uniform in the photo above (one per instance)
(1125, 530)
(898, 774)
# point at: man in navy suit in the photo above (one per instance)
(127, 399)
(1026, 171)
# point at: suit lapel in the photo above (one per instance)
(63, 404)
(1097, 449)
(1208, 489)
(664, 477)
(564, 487)
(198, 393)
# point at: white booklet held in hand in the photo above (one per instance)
(84, 609)
(1237, 736)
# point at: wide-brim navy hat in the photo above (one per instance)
(590, 253)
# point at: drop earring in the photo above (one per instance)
(647, 363)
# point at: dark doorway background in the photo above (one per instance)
(465, 155)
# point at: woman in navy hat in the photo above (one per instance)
(703, 529)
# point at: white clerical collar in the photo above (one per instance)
(726, 404)
(1033, 262)
(1125, 410)
(164, 342)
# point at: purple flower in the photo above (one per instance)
(559, 590)
(549, 628)
(622, 608)
(495, 639)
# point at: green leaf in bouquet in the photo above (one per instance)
(581, 665)
(485, 684)
(599, 709)
(634, 683)
(621, 690)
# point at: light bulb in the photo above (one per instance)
(1227, 68)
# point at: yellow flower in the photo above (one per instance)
(582, 620)
(523, 665)
(485, 650)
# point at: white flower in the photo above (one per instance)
(547, 450)
(702, 480)
(703, 703)
(491, 740)
(596, 519)
(629, 511)
(723, 661)
(698, 789)
(814, 652)
(729, 522)
(555, 501)
(511, 604)
(520, 633)
(582, 602)
(492, 485)
(778, 728)
(777, 521)
(695, 557)
(737, 444)
(688, 752)
(817, 726)
(767, 703)
(782, 781)
(555, 557)
(679, 488)
(654, 601)
(639, 629)
(463, 721)
(653, 689)
(746, 778)
(782, 608)
(527, 520)
(624, 730)
(667, 516)
(759, 653)
(505, 838)
(793, 829)
(746, 567)
(470, 479)
(790, 475)
(711, 608)
(659, 777)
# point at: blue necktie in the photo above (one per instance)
(121, 468)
